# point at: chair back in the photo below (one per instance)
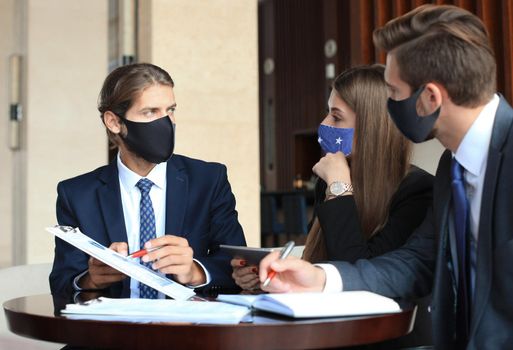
(294, 214)
(269, 215)
(20, 281)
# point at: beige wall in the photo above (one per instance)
(66, 64)
(210, 49)
(426, 155)
(7, 10)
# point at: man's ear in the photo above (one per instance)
(430, 99)
(112, 122)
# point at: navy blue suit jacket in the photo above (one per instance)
(200, 207)
(425, 264)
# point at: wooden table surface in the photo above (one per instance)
(35, 317)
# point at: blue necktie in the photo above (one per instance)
(147, 230)
(461, 210)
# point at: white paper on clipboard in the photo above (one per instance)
(121, 263)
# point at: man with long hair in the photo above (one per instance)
(147, 197)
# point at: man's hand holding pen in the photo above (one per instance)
(170, 255)
(290, 275)
(174, 257)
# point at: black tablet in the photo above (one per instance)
(251, 255)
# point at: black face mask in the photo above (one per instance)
(154, 141)
(404, 114)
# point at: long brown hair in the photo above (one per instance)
(380, 155)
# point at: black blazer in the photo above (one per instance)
(200, 207)
(341, 228)
(424, 263)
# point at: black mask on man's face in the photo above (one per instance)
(154, 141)
(404, 114)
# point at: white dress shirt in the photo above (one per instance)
(472, 154)
(131, 198)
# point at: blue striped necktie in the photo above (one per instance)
(461, 225)
(147, 230)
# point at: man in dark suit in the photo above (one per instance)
(146, 197)
(441, 73)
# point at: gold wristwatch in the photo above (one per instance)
(338, 188)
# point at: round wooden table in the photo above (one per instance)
(35, 317)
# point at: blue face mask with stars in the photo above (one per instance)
(333, 140)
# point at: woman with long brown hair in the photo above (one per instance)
(388, 197)
(369, 198)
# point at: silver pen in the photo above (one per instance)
(287, 249)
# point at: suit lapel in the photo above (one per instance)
(177, 193)
(442, 193)
(501, 130)
(109, 197)
(443, 296)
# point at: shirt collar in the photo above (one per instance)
(472, 152)
(129, 179)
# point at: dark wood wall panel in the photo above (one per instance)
(507, 54)
(299, 80)
(496, 14)
(267, 95)
(294, 32)
(361, 19)
(383, 10)
(490, 13)
(469, 5)
(299, 41)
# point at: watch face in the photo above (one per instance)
(337, 188)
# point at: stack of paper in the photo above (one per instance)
(303, 305)
(159, 310)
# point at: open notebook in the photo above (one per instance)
(304, 305)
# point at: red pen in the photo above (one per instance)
(142, 252)
(283, 254)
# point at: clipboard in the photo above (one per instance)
(129, 266)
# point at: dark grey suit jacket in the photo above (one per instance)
(424, 263)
